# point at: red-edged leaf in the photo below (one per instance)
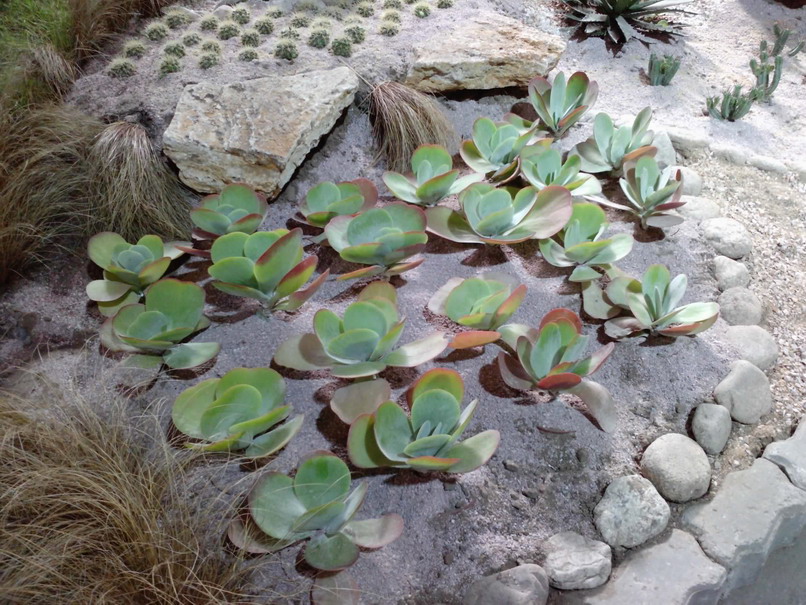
(566, 314)
(510, 305)
(300, 296)
(432, 463)
(669, 206)
(194, 251)
(363, 272)
(368, 190)
(474, 338)
(600, 356)
(513, 373)
(403, 267)
(559, 382)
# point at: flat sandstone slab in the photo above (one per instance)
(485, 52)
(257, 131)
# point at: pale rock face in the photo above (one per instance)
(255, 132)
(487, 51)
(575, 562)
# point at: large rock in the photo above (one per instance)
(631, 512)
(755, 512)
(575, 562)
(482, 52)
(745, 391)
(790, 455)
(711, 427)
(753, 344)
(730, 273)
(521, 585)
(728, 236)
(255, 132)
(677, 466)
(699, 208)
(740, 307)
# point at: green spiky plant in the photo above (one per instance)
(209, 23)
(241, 15)
(444, 4)
(355, 33)
(494, 149)
(240, 411)
(250, 37)
(732, 104)
(319, 38)
(211, 47)
(169, 65)
(209, 60)
(191, 39)
(174, 49)
(121, 68)
(228, 30)
(541, 166)
(662, 70)
(156, 32)
(341, 47)
(327, 200)
(289, 33)
(427, 439)
(362, 343)
(134, 49)
(365, 9)
(482, 303)
(264, 26)
(389, 28)
(300, 20)
(763, 69)
(390, 15)
(286, 49)
(561, 103)
(237, 208)
(422, 10)
(176, 19)
(248, 54)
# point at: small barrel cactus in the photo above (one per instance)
(275, 13)
(342, 47)
(208, 60)
(333, 13)
(174, 49)
(365, 9)
(389, 28)
(227, 30)
(391, 15)
(121, 68)
(248, 54)
(319, 38)
(289, 33)
(241, 15)
(211, 46)
(422, 10)
(169, 65)
(250, 38)
(134, 49)
(209, 24)
(156, 32)
(356, 34)
(176, 18)
(300, 20)
(321, 23)
(396, 4)
(286, 49)
(264, 26)
(191, 39)
(444, 3)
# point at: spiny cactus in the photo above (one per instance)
(762, 68)
(275, 13)
(365, 9)
(422, 10)
(121, 68)
(308, 6)
(392, 4)
(356, 34)
(191, 39)
(662, 69)
(176, 19)
(208, 60)
(174, 49)
(227, 30)
(209, 23)
(241, 15)
(134, 49)
(250, 38)
(289, 33)
(211, 46)
(156, 32)
(334, 13)
(444, 3)
(300, 20)
(169, 65)
(389, 28)
(732, 105)
(248, 54)
(391, 15)
(287, 50)
(264, 26)
(319, 38)
(342, 47)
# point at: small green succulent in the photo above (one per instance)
(327, 200)
(444, 3)
(732, 105)
(134, 49)
(433, 177)
(502, 216)
(264, 26)
(154, 331)
(481, 303)
(560, 104)
(228, 30)
(662, 70)
(237, 208)
(355, 33)
(550, 358)
(322, 23)
(241, 15)
(274, 13)
(651, 192)
(428, 438)
(250, 38)
(390, 15)
(319, 38)
(121, 68)
(286, 49)
(389, 28)
(169, 65)
(239, 411)
(289, 33)
(156, 32)
(209, 23)
(191, 39)
(365, 9)
(542, 166)
(211, 47)
(334, 13)
(266, 266)
(422, 10)
(494, 149)
(608, 148)
(248, 54)
(308, 6)
(581, 244)
(394, 4)
(300, 20)
(176, 19)
(174, 49)
(384, 238)
(208, 60)
(362, 343)
(341, 47)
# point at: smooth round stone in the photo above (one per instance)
(745, 392)
(574, 562)
(753, 344)
(711, 426)
(223, 12)
(730, 273)
(692, 183)
(699, 208)
(522, 585)
(740, 307)
(727, 236)
(631, 512)
(678, 467)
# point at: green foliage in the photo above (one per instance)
(422, 10)
(390, 15)
(300, 20)
(237, 208)
(289, 33)
(286, 49)
(327, 200)
(156, 32)
(250, 38)
(274, 13)
(662, 69)
(389, 28)
(169, 65)
(121, 68)
(191, 39)
(319, 38)
(609, 148)
(238, 412)
(444, 3)
(208, 60)
(542, 166)
(176, 19)
(427, 439)
(134, 49)
(248, 54)
(365, 9)
(652, 306)
(502, 216)
(154, 331)
(322, 23)
(762, 68)
(307, 6)
(241, 15)
(341, 47)
(227, 30)
(494, 149)
(362, 342)
(395, 4)
(355, 33)
(174, 49)
(582, 245)
(334, 13)
(560, 104)
(211, 46)
(433, 177)
(209, 23)
(550, 358)
(264, 25)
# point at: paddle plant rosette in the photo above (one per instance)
(327, 200)
(237, 208)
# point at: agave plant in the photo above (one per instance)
(494, 149)
(581, 244)
(380, 237)
(651, 192)
(154, 331)
(542, 166)
(315, 505)
(551, 359)
(653, 302)
(267, 266)
(433, 177)
(327, 200)
(481, 303)
(128, 268)
(502, 216)
(237, 208)
(609, 148)
(428, 438)
(362, 342)
(239, 411)
(620, 20)
(560, 104)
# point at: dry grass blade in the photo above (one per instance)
(53, 69)
(403, 119)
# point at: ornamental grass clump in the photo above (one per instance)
(362, 342)
(121, 68)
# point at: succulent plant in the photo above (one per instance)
(327, 200)
(300, 20)
(319, 38)
(425, 440)
(208, 60)
(502, 216)
(433, 177)
(191, 39)
(239, 411)
(560, 104)
(581, 244)
(248, 54)
(250, 37)
(266, 266)
(156, 32)
(422, 10)
(362, 343)
(174, 49)
(652, 304)
(380, 237)
(391, 15)
(275, 13)
(227, 30)
(128, 268)
(551, 359)
(317, 506)
(333, 12)
(394, 4)
(341, 47)
(169, 65)
(365, 9)
(264, 26)
(732, 105)
(355, 33)
(322, 23)
(121, 68)
(662, 70)
(154, 331)
(211, 47)
(241, 15)
(289, 33)
(608, 148)
(651, 192)
(308, 6)
(494, 149)
(134, 49)
(209, 23)
(542, 166)
(237, 208)
(389, 28)
(481, 303)
(176, 18)
(444, 3)
(286, 49)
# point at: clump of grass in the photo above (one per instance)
(275, 13)
(396, 4)
(208, 60)
(211, 46)
(365, 9)
(389, 28)
(46, 73)
(341, 47)
(227, 30)
(404, 119)
(169, 65)
(176, 19)
(356, 34)
(209, 23)
(156, 32)
(191, 39)
(300, 20)
(319, 38)
(264, 25)
(241, 15)
(286, 49)
(250, 38)
(289, 33)
(121, 68)
(134, 49)
(248, 54)
(444, 3)
(422, 10)
(175, 49)
(391, 15)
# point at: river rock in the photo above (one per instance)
(730, 273)
(699, 208)
(677, 466)
(740, 307)
(631, 512)
(753, 344)
(745, 391)
(728, 236)
(711, 426)
(522, 585)
(575, 562)
(692, 182)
